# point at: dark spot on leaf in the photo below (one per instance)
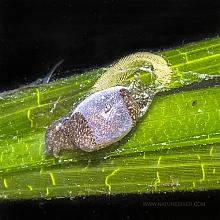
(194, 103)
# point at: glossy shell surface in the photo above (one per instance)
(100, 120)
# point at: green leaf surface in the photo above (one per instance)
(175, 146)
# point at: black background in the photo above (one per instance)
(35, 35)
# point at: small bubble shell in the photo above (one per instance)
(100, 120)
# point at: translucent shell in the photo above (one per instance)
(100, 120)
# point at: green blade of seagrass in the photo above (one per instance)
(175, 146)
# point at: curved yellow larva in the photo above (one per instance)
(117, 73)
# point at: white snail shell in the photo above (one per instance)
(100, 120)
